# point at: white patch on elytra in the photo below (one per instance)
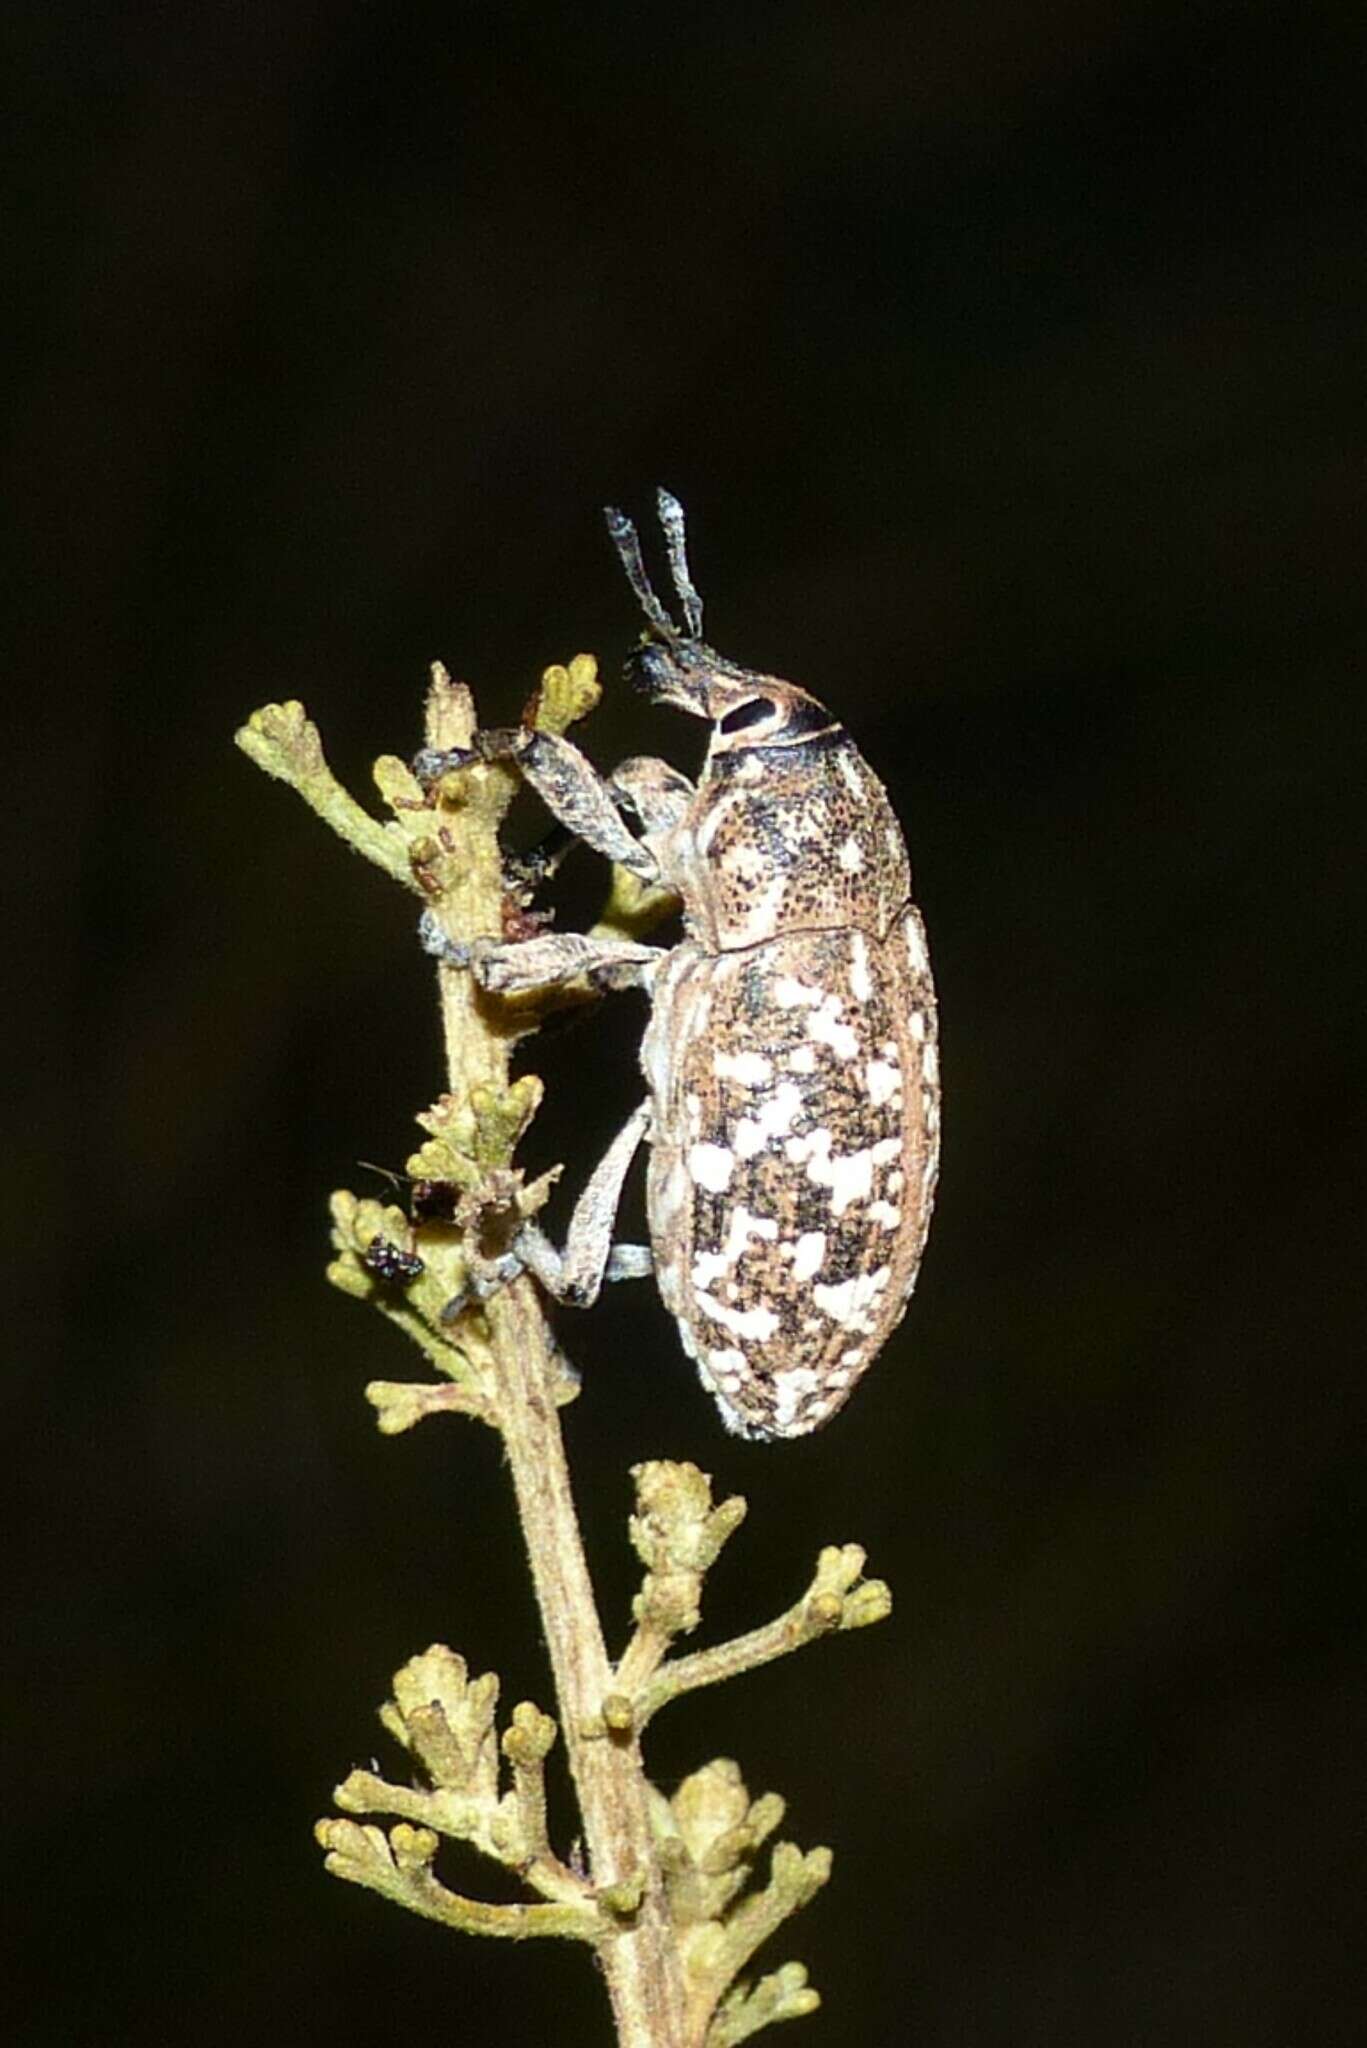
(707, 1267)
(851, 856)
(727, 1367)
(710, 1266)
(756, 1323)
(802, 1060)
(882, 1081)
(808, 1253)
(751, 1069)
(884, 1214)
(792, 994)
(752, 1133)
(848, 1175)
(848, 1302)
(853, 780)
(741, 1227)
(826, 1027)
(792, 1391)
(861, 987)
(916, 942)
(711, 1167)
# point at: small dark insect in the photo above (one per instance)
(391, 1263)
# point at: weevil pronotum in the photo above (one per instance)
(790, 1057)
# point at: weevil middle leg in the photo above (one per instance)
(576, 1274)
(517, 966)
(566, 781)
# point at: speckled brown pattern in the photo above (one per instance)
(792, 1165)
(791, 1055)
(795, 838)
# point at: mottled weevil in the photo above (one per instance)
(790, 1057)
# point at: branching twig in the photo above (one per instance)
(838, 1598)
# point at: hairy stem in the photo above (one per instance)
(639, 1958)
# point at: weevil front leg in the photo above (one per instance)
(566, 781)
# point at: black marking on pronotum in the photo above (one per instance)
(744, 715)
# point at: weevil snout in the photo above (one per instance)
(667, 675)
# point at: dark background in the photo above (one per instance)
(1006, 358)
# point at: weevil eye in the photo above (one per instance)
(749, 713)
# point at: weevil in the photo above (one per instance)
(791, 1061)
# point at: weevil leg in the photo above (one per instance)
(536, 1254)
(536, 864)
(576, 795)
(576, 1274)
(557, 957)
(484, 1279)
(567, 782)
(515, 966)
(439, 944)
(658, 794)
(629, 1262)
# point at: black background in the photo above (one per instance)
(1005, 357)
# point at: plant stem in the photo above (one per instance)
(640, 1960)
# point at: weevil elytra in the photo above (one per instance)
(791, 1060)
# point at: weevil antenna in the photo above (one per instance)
(672, 520)
(627, 542)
